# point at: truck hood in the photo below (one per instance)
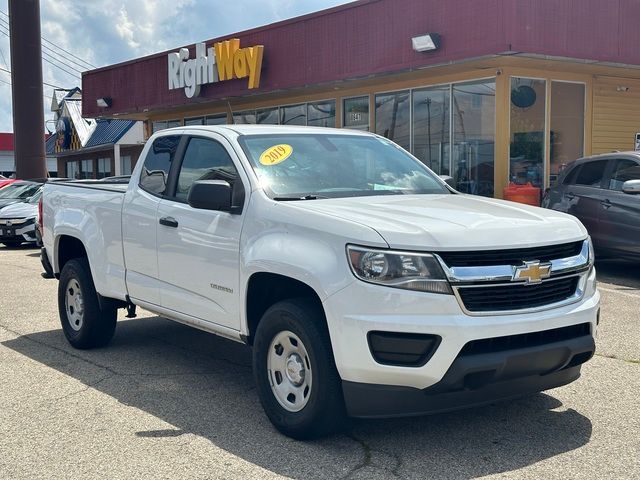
(19, 210)
(452, 222)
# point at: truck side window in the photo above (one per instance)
(204, 159)
(155, 171)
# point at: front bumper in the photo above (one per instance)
(361, 308)
(476, 380)
(18, 233)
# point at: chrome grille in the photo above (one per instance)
(488, 282)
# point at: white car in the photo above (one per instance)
(364, 283)
(18, 222)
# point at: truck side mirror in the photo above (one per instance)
(632, 187)
(448, 180)
(210, 195)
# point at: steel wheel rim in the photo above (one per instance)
(74, 304)
(289, 370)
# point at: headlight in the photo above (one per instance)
(592, 253)
(411, 271)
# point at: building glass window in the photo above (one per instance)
(163, 124)
(567, 126)
(473, 109)
(393, 117)
(194, 121)
(321, 114)
(356, 113)
(218, 119)
(104, 167)
(125, 165)
(267, 116)
(245, 117)
(73, 169)
(527, 127)
(293, 115)
(86, 169)
(431, 121)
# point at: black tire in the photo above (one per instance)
(324, 411)
(96, 326)
(12, 244)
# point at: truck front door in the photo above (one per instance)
(198, 250)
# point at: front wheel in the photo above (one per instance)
(295, 373)
(84, 323)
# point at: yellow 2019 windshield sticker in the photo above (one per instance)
(276, 154)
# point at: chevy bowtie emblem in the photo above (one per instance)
(532, 272)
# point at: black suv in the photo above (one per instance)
(603, 191)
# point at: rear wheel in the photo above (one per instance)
(298, 384)
(84, 323)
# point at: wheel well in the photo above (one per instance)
(68, 249)
(266, 289)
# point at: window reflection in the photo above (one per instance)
(473, 107)
(567, 126)
(393, 117)
(293, 115)
(321, 114)
(528, 104)
(431, 119)
(356, 113)
(267, 116)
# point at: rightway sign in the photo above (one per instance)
(223, 61)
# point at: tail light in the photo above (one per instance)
(40, 221)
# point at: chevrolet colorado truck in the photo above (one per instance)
(365, 285)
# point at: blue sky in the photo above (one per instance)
(104, 32)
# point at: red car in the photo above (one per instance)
(6, 181)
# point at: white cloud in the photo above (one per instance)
(103, 32)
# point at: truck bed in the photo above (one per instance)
(91, 210)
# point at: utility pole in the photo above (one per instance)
(26, 89)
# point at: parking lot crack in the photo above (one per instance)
(615, 357)
(370, 460)
(84, 389)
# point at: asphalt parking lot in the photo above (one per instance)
(167, 401)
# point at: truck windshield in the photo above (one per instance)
(310, 166)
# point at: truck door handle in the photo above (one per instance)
(605, 203)
(169, 222)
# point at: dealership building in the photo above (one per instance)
(486, 91)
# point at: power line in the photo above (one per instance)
(44, 83)
(59, 47)
(4, 28)
(51, 61)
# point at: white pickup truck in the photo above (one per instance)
(364, 283)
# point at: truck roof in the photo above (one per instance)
(268, 129)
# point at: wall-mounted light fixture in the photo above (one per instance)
(622, 88)
(426, 43)
(104, 102)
